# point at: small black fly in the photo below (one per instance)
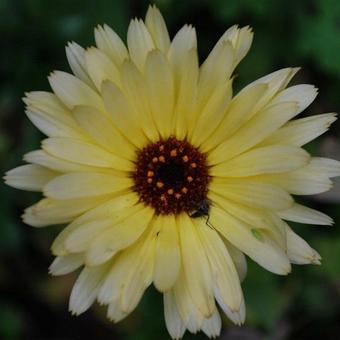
(202, 211)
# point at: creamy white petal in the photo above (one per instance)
(84, 152)
(29, 177)
(78, 185)
(157, 28)
(301, 131)
(269, 159)
(111, 44)
(86, 288)
(299, 251)
(301, 214)
(173, 321)
(167, 254)
(160, 85)
(66, 264)
(76, 59)
(72, 91)
(139, 42)
(261, 250)
(100, 67)
(196, 266)
(123, 115)
(101, 129)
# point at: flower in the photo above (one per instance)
(165, 177)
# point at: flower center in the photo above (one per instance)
(171, 176)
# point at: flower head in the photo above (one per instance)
(165, 178)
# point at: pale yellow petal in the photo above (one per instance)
(139, 42)
(309, 180)
(160, 85)
(239, 111)
(270, 159)
(50, 211)
(301, 131)
(50, 116)
(241, 40)
(72, 91)
(111, 44)
(196, 266)
(215, 70)
(86, 288)
(114, 210)
(43, 158)
(29, 177)
(66, 264)
(299, 251)
(255, 130)
(140, 274)
(78, 185)
(260, 219)
(167, 254)
(186, 72)
(212, 114)
(101, 129)
(187, 307)
(173, 321)
(100, 67)
(239, 260)
(224, 275)
(134, 85)
(302, 94)
(79, 236)
(260, 249)
(212, 326)
(252, 193)
(156, 25)
(118, 236)
(76, 59)
(52, 127)
(83, 152)
(123, 115)
(301, 214)
(276, 82)
(115, 312)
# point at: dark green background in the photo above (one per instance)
(304, 305)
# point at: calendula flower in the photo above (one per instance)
(165, 178)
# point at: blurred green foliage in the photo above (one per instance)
(304, 305)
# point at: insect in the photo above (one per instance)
(202, 210)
